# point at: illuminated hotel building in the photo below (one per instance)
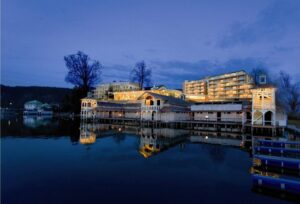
(226, 87)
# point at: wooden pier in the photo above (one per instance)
(205, 125)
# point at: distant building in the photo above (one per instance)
(36, 107)
(105, 91)
(225, 87)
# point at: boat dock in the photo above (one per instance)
(276, 165)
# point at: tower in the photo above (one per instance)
(263, 106)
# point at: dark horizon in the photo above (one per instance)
(179, 41)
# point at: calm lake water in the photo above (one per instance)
(63, 161)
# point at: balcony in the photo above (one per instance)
(150, 108)
(264, 106)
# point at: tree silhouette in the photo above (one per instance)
(141, 74)
(289, 92)
(82, 71)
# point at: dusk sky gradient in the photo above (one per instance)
(178, 39)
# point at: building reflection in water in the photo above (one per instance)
(36, 121)
(276, 162)
(155, 140)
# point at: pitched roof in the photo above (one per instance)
(34, 102)
(264, 86)
(158, 87)
(168, 99)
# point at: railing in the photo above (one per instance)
(218, 119)
(151, 108)
(264, 106)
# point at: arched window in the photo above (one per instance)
(268, 118)
(149, 101)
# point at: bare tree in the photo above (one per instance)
(141, 74)
(82, 71)
(289, 92)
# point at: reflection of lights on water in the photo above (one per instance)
(9, 122)
(206, 137)
(120, 129)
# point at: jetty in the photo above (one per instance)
(276, 165)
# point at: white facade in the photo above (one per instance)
(155, 107)
(263, 106)
(219, 112)
(88, 105)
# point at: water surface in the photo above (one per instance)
(58, 161)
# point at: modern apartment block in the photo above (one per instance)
(226, 87)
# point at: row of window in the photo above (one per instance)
(151, 102)
(84, 104)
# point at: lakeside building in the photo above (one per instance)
(231, 86)
(239, 111)
(36, 107)
(230, 102)
(264, 108)
(163, 108)
(149, 106)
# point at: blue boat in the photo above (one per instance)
(272, 143)
(277, 150)
(273, 161)
(291, 186)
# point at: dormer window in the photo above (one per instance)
(262, 79)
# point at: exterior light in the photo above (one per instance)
(206, 137)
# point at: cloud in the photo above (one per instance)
(115, 72)
(271, 24)
(173, 73)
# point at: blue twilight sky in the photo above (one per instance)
(178, 39)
